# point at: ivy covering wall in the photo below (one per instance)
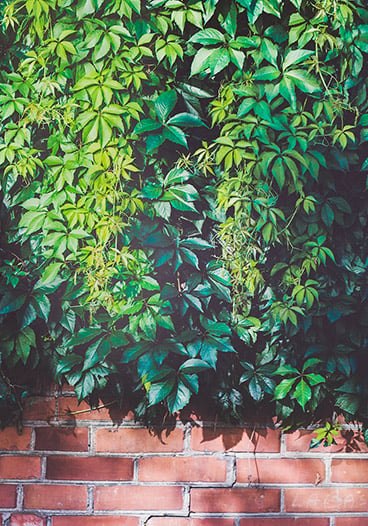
(183, 204)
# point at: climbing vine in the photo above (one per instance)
(183, 204)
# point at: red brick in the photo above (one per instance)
(138, 498)
(69, 409)
(95, 521)
(347, 470)
(135, 440)
(326, 500)
(182, 469)
(20, 519)
(347, 441)
(45, 497)
(239, 500)
(20, 467)
(39, 408)
(169, 521)
(281, 471)
(212, 522)
(235, 439)
(11, 440)
(351, 521)
(69, 405)
(7, 496)
(61, 439)
(97, 468)
(285, 522)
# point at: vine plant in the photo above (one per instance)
(183, 204)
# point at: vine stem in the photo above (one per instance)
(92, 409)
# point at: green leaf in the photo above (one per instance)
(246, 106)
(303, 80)
(254, 9)
(207, 37)
(200, 61)
(267, 73)
(42, 305)
(191, 381)
(85, 386)
(66, 363)
(135, 5)
(196, 243)
(284, 388)
(85, 8)
(159, 391)
(295, 56)
(302, 393)
(315, 379)
(218, 329)
(29, 314)
(175, 134)
(348, 403)
(146, 125)
(186, 120)
(255, 389)
(153, 142)
(218, 60)
(194, 365)
(96, 353)
(178, 398)
(193, 301)
(311, 362)
(164, 104)
(25, 340)
(10, 303)
(327, 215)
(208, 353)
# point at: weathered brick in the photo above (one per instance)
(12, 467)
(282, 521)
(182, 469)
(56, 497)
(348, 470)
(138, 440)
(351, 521)
(235, 439)
(22, 519)
(138, 498)
(212, 522)
(280, 471)
(12, 440)
(39, 408)
(169, 521)
(348, 441)
(328, 500)
(238, 500)
(89, 468)
(61, 439)
(94, 521)
(8, 495)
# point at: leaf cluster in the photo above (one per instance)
(183, 204)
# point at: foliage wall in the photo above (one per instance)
(183, 204)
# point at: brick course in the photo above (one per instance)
(100, 468)
(12, 467)
(23, 519)
(81, 469)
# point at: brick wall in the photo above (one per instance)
(75, 467)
